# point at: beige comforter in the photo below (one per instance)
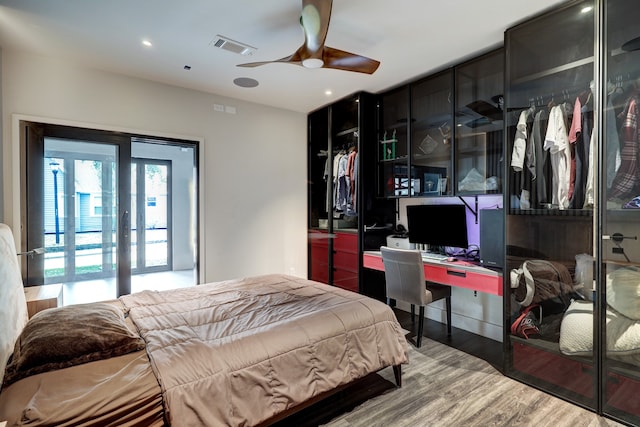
(242, 351)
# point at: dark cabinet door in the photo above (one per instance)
(550, 71)
(342, 190)
(393, 140)
(432, 102)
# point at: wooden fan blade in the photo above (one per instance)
(314, 20)
(341, 60)
(291, 59)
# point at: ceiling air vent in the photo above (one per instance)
(232, 45)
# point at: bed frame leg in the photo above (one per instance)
(397, 372)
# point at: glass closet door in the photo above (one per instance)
(431, 135)
(393, 139)
(549, 200)
(620, 267)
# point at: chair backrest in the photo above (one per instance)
(404, 274)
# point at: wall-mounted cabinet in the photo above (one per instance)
(393, 150)
(431, 139)
(443, 135)
(573, 185)
(479, 125)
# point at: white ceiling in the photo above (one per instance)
(410, 38)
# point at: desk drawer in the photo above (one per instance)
(463, 279)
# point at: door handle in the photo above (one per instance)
(125, 224)
(618, 237)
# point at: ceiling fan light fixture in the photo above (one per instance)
(312, 63)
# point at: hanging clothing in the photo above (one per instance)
(328, 184)
(612, 144)
(582, 150)
(520, 143)
(626, 182)
(575, 132)
(342, 183)
(335, 180)
(539, 193)
(589, 192)
(350, 174)
(355, 188)
(557, 143)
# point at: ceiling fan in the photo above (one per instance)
(313, 53)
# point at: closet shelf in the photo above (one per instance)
(347, 131)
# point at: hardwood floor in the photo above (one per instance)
(448, 382)
(470, 343)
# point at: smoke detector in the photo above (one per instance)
(232, 45)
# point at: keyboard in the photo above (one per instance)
(434, 256)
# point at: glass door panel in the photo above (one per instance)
(393, 138)
(134, 215)
(549, 104)
(431, 135)
(79, 211)
(153, 224)
(620, 268)
(164, 214)
(479, 125)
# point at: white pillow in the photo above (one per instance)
(623, 291)
(576, 332)
(13, 305)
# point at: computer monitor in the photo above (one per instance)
(438, 225)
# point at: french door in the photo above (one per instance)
(100, 204)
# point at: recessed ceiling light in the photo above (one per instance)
(328, 92)
(245, 82)
(147, 43)
(587, 9)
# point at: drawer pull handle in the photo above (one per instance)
(457, 273)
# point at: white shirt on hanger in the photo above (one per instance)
(557, 143)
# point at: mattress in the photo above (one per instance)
(239, 352)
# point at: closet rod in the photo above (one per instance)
(554, 70)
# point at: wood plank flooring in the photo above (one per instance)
(455, 382)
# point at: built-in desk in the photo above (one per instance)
(462, 274)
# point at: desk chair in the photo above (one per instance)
(404, 274)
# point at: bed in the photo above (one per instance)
(240, 352)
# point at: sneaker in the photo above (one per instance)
(525, 325)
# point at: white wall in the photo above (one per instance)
(253, 193)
